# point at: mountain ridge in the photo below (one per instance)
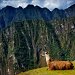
(10, 13)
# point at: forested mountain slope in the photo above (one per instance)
(26, 33)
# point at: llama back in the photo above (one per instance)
(60, 65)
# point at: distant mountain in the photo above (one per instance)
(10, 13)
(70, 12)
(58, 14)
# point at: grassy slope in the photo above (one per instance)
(44, 71)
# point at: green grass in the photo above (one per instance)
(44, 71)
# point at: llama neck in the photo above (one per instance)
(47, 57)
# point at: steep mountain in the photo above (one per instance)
(2, 22)
(26, 33)
(8, 14)
(34, 12)
(58, 14)
(19, 14)
(30, 12)
(70, 12)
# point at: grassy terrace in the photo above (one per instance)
(44, 71)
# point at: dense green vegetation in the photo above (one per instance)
(26, 40)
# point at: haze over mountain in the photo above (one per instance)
(50, 4)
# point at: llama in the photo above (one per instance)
(58, 65)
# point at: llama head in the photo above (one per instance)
(46, 53)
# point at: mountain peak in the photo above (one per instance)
(20, 7)
(30, 6)
(56, 9)
(9, 7)
(37, 7)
